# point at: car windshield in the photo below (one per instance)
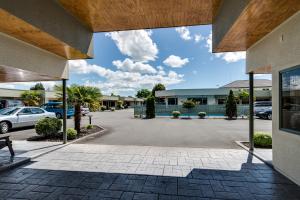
(8, 111)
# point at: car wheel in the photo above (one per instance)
(269, 116)
(4, 126)
(58, 115)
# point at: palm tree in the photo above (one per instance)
(77, 96)
(31, 97)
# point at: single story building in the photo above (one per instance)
(111, 101)
(216, 96)
(108, 101)
(15, 94)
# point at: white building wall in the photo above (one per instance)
(281, 50)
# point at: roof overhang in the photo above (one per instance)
(65, 27)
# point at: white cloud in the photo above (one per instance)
(184, 33)
(229, 57)
(198, 38)
(136, 44)
(131, 66)
(82, 67)
(175, 61)
(122, 81)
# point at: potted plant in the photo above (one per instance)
(202, 115)
(176, 114)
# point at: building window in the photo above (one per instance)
(290, 100)
(199, 100)
(221, 101)
(172, 101)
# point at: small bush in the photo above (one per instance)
(263, 140)
(188, 104)
(103, 108)
(202, 115)
(71, 133)
(112, 109)
(90, 126)
(176, 114)
(48, 127)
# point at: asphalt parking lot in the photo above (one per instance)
(123, 129)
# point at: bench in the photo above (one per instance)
(6, 142)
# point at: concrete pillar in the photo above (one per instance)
(251, 112)
(64, 83)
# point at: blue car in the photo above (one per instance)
(57, 108)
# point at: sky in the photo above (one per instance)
(127, 61)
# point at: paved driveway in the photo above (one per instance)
(123, 129)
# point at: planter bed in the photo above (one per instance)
(84, 132)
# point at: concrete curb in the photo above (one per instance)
(15, 164)
(240, 143)
(29, 159)
(71, 142)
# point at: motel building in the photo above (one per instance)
(50, 96)
(38, 38)
(216, 96)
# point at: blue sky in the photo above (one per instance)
(178, 57)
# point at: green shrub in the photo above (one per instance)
(176, 114)
(103, 108)
(188, 104)
(262, 139)
(112, 109)
(90, 126)
(231, 107)
(48, 127)
(150, 107)
(201, 115)
(71, 133)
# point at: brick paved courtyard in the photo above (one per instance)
(81, 171)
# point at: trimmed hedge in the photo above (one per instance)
(71, 133)
(89, 126)
(176, 114)
(263, 140)
(48, 127)
(201, 115)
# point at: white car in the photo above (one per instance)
(84, 110)
(16, 117)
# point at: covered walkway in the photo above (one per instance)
(133, 172)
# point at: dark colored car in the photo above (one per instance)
(57, 108)
(265, 114)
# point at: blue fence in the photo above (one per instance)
(211, 110)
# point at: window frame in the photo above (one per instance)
(280, 101)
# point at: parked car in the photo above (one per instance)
(84, 110)
(57, 108)
(261, 108)
(7, 103)
(16, 117)
(265, 114)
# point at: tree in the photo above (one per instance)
(243, 96)
(38, 86)
(188, 104)
(77, 96)
(158, 87)
(32, 98)
(231, 108)
(150, 107)
(143, 93)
